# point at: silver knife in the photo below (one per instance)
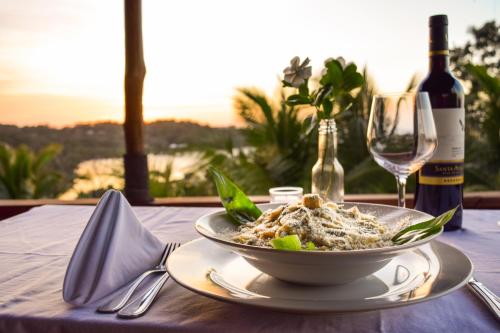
(491, 300)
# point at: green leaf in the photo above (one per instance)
(304, 89)
(45, 156)
(353, 81)
(322, 94)
(415, 236)
(327, 107)
(297, 100)
(442, 219)
(423, 229)
(333, 75)
(310, 246)
(25, 174)
(238, 206)
(350, 69)
(263, 103)
(288, 243)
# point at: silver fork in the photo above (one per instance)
(119, 301)
(141, 304)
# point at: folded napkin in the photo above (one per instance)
(113, 249)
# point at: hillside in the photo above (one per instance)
(105, 140)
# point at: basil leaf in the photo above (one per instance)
(418, 235)
(238, 206)
(310, 246)
(288, 243)
(424, 229)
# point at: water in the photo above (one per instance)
(103, 173)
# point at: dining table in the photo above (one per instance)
(36, 246)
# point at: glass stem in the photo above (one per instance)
(401, 180)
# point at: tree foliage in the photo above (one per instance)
(477, 64)
(26, 174)
(283, 137)
(281, 145)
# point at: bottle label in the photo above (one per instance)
(446, 167)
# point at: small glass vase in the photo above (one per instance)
(327, 173)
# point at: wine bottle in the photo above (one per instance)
(440, 181)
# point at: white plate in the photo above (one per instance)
(316, 267)
(430, 271)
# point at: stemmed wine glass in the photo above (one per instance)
(401, 134)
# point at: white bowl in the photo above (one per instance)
(315, 267)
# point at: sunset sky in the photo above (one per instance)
(62, 61)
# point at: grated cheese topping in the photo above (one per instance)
(326, 224)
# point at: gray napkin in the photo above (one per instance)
(113, 249)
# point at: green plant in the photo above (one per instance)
(334, 94)
(193, 183)
(26, 174)
(482, 50)
(484, 157)
(477, 64)
(282, 146)
(332, 97)
(491, 122)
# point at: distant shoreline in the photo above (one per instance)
(113, 122)
(82, 142)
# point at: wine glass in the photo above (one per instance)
(401, 134)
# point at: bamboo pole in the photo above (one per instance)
(135, 160)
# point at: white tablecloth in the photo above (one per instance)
(35, 248)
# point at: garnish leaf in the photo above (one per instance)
(288, 243)
(424, 229)
(238, 206)
(310, 246)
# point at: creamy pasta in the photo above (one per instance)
(326, 225)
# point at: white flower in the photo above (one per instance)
(297, 73)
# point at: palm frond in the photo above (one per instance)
(412, 84)
(23, 172)
(45, 156)
(262, 102)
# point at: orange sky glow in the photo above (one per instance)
(61, 62)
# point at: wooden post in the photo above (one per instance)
(135, 160)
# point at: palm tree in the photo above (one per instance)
(25, 174)
(160, 184)
(284, 149)
(194, 182)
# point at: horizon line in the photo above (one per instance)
(116, 122)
